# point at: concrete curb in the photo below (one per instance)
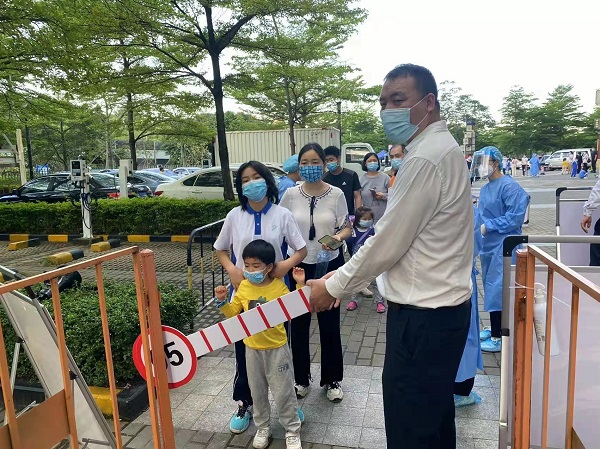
(64, 257)
(132, 238)
(105, 246)
(16, 245)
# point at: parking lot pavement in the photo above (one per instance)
(202, 408)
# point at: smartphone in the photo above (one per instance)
(330, 242)
(373, 191)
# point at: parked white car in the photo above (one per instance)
(205, 184)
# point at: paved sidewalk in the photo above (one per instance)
(202, 408)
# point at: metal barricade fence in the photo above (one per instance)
(522, 341)
(55, 420)
(208, 263)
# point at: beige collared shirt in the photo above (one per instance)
(423, 244)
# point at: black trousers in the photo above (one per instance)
(241, 388)
(496, 324)
(423, 351)
(465, 387)
(332, 362)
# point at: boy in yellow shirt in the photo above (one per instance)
(268, 357)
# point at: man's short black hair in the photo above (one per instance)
(424, 80)
(332, 150)
(261, 250)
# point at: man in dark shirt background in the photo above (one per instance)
(345, 179)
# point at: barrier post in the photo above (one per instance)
(519, 345)
(156, 341)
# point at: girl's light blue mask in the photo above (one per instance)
(365, 223)
(255, 190)
(311, 173)
(397, 163)
(397, 125)
(254, 277)
(372, 166)
(332, 166)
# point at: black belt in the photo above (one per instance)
(395, 305)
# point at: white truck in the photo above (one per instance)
(274, 145)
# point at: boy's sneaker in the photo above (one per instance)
(334, 392)
(491, 345)
(240, 420)
(352, 305)
(292, 441)
(485, 334)
(301, 390)
(380, 307)
(261, 439)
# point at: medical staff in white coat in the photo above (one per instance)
(501, 211)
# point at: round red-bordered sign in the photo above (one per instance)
(180, 357)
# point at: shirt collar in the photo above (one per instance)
(263, 211)
(440, 125)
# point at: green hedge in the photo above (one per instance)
(154, 216)
(83, 328)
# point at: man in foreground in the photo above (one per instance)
(423, 245)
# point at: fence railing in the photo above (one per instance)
(211, 272)
(521, 332)
(55, 420)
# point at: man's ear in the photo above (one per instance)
(430, 102)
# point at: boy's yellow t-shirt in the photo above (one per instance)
(246, 298)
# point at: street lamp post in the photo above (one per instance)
(470, 135)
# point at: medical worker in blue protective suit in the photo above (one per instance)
(534, 164)
(290, 167)
(500, 213)
(471, 358)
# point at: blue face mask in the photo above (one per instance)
(255, 277)
(372, 166)
(255, 190)
(397, 125)
(332, 166)
(365, 223)
(311, 173)
(397, 163)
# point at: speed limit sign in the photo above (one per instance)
(179, 355)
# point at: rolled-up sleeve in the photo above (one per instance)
(593, 201)
(416, 195)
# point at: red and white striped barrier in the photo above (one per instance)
(182, 352)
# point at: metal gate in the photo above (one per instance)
(54, 420)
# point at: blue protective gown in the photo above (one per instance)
(502, 207)
(284, 184)
(471, 358)
(534, 169)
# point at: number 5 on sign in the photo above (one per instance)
(178, 352)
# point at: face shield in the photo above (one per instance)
(483, 165)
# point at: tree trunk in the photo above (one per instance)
(220, 116)
(130, 130)
(290, 117)
(63, 146)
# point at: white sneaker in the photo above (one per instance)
(292, 441)
(334, 392)
(366, 293)
(302, 390)
(261, 439)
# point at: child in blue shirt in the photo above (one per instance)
(361, 231)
